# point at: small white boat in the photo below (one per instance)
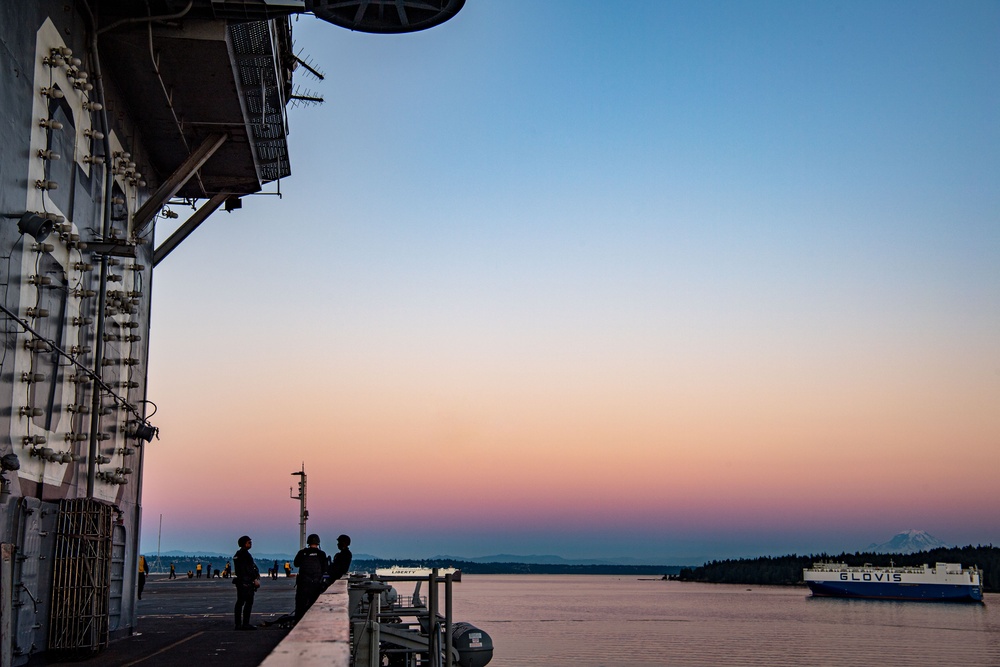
(398, 571)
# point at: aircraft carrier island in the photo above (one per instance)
(111, 110)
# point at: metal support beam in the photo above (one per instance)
(191, 224)
(176, 181)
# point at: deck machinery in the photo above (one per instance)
(411, 631)
(112, 109)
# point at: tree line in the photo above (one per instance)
(787, 570)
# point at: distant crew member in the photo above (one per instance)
(143, 571)
(341, 560)
(311, 562)
(247, 582)
(197, 570)
(173, 572)
(227, 571)
(288, 569)
(274, 570)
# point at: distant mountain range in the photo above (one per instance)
(181, 554)
(908, 542)
(553, 560)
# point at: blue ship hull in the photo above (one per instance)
(895, 591)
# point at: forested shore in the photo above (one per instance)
(765, 570)
(787, 570)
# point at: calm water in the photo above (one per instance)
(610, 621)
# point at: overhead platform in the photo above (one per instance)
(189, 79)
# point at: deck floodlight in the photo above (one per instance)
(9, 462)
(35, 225)
(146, 431)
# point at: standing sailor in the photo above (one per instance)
(143, 571)
(247, 582)
(341, 560)
(311, 562)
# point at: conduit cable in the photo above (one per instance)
(123, 402)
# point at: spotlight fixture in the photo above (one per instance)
(9, 462)
(146, 431)
(35, 225)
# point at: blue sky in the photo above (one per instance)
(715, 278)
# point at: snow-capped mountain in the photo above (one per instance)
(908, 542)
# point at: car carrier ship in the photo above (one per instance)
(942, 582)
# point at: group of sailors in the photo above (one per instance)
(225, 573)
(316, 571)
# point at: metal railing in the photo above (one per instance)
(409, 631)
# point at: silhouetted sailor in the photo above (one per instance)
(247, 582)
(341, 560)
(311, 562)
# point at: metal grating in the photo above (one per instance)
(81, 576)
(263, 91)
(116, 593)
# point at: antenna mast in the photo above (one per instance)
(159, 566)
(303, 512)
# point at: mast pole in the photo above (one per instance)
(159, 534)
(303, 512)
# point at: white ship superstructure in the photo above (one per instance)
(410, 572)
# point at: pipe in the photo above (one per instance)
(95, 410)
(143, 19)
(448, 658)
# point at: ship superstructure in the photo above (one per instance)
(111, 112)
(942, 581)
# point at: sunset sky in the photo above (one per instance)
(657, 279)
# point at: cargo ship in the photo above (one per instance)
(947, 582)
